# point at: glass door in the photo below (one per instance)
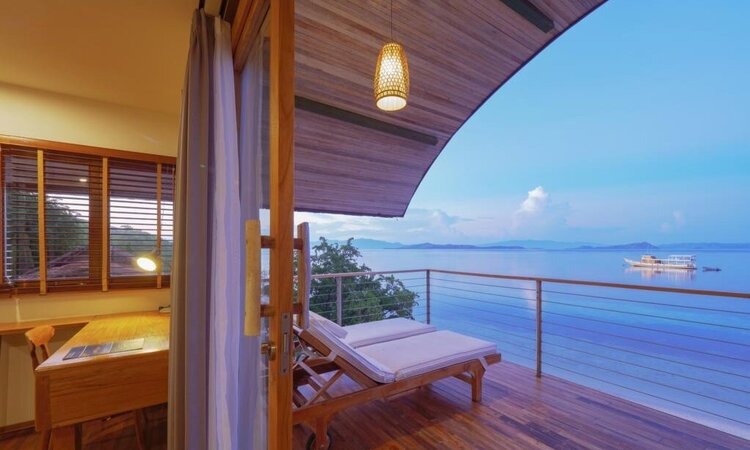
(266, 97)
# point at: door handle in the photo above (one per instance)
(252, 277)
(268, 349)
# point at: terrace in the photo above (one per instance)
(585, 364)
(656, 367)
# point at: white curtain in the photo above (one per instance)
(226, 236)
(253, 142)
(213, 379)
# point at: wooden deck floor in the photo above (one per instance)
(518, 412)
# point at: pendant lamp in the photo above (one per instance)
(391, 84)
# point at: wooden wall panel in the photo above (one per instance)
(459, 53)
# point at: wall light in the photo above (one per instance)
(150, 261)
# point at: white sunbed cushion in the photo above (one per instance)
(371, 333)
(423, 353)
(336, 329)
(372, 369)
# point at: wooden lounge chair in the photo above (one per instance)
(383, 369)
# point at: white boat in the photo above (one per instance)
(685, 262)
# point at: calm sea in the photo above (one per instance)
(598, 265)
(684, 354)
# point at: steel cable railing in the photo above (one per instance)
(680, 350)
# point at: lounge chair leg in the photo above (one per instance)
(322, 442)
(476, 385)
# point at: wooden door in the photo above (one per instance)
(281, 205)
(267, 26)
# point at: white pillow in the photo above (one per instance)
(332, 327)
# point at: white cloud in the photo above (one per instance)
(418, 225)
(535, 201)
(534, 218)
(538, 215)
(679, 218)
(676, 222)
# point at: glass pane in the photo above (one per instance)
(254, 139)
(132, 215)
(70, 222)
(21, 216)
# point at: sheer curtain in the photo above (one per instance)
(253, 188)
(213, 367)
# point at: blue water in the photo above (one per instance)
(685, 354)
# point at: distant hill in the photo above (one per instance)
(430, 246)
(673, 246)
(539, 244)
(707, 246)
(631, 246)
(369, 244)
(372, 244)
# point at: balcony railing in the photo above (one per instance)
(682, 351)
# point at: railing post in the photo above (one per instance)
(538, 328)
(427, 292)
(339, 302)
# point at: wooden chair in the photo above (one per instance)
(38, 339)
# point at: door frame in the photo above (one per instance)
(247, 20)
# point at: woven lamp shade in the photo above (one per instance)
(391, 78)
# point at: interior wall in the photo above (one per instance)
(37, 114)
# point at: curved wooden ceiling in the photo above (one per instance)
(352, 158)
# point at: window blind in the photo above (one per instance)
(96, 216)
(20, 211)
(137, 218)
(73, 219)
(167, 218)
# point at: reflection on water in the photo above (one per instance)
(674, 275)
(575, 265)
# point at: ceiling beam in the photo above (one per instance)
(333, 112)
(531, 13)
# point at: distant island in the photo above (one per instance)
(631, 246)
(430, 246)
(374, 244)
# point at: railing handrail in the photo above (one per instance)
(641, 287)
(567, 358)
(361, 274)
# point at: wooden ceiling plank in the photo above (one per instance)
(390, 160)
(363, 121)
(459, 54)
(531, 13)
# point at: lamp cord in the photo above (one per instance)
(391, 20)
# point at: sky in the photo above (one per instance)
(633, 126)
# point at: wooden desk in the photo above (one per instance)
(77, 390)
(10, 328)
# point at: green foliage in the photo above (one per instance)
(71, 238)
(365, 298)
(70, 232)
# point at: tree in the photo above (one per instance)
(364, 297)
(67, 249)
